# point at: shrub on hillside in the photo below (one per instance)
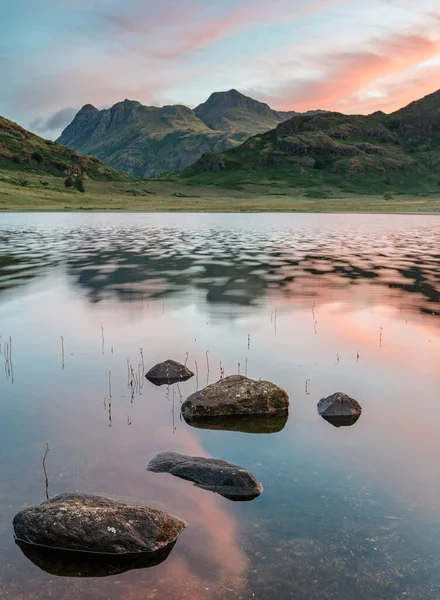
(37, 157)
(78, 184)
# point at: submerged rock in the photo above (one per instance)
(168, 372)
(231, 481)
(87, 523)
(68, 563)
(273, 423)
(339, 409)
(236, 395)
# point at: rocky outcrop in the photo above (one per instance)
(272, 423)
(339, 409)
(236, 395)
(168, 372)
(87, 523)
(231, 481)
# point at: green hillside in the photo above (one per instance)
(25, 152)
(323, 153)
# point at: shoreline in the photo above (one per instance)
(196, 211)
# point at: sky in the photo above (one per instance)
(352, 56)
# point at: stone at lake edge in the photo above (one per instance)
(339, 405)
(231, 481)
(88, 523)
(167, 372)
(236, 395)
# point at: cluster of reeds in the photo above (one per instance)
(135, 376)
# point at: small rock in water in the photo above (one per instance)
(339, 409)
(168, 372)
(231, 481)
(87, 523)
(236, 395)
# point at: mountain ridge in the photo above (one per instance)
(146, 140)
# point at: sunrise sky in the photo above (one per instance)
(346, 55)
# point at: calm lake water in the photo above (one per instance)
(314, 303)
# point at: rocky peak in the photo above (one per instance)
(219, 101)
(87, 112)
(124, 112)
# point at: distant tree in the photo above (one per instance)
(23, 182)
(69, 182)
(388, 196)
(79, 184)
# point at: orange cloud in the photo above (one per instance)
(346, 75)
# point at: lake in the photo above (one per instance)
(314, 303)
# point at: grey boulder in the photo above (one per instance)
(168, 372)
(87, 523)
(231, 481)
(339, 409)
(236, 395)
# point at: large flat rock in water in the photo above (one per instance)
(168, 372)
(339, 409)
(236, 395)
(231, 481)
(87, 523)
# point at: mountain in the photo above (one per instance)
(323, 152)
(146, 140)
(237, 114)
(21, 150)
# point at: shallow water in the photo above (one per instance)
(314, 303)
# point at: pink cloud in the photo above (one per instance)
(189, 27)
(346, 75)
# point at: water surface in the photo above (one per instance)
(314, 303)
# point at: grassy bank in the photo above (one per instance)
(39, 193)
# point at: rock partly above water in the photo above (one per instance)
(236, 395)
(168, 372)
(339, 409)
(87, 523)
(231, 481)
(273, 423)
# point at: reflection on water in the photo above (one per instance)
(346, 421)
(245, 423)
(232, 265)
(311, 302)
(64, 563)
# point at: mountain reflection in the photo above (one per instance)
(226, 265)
